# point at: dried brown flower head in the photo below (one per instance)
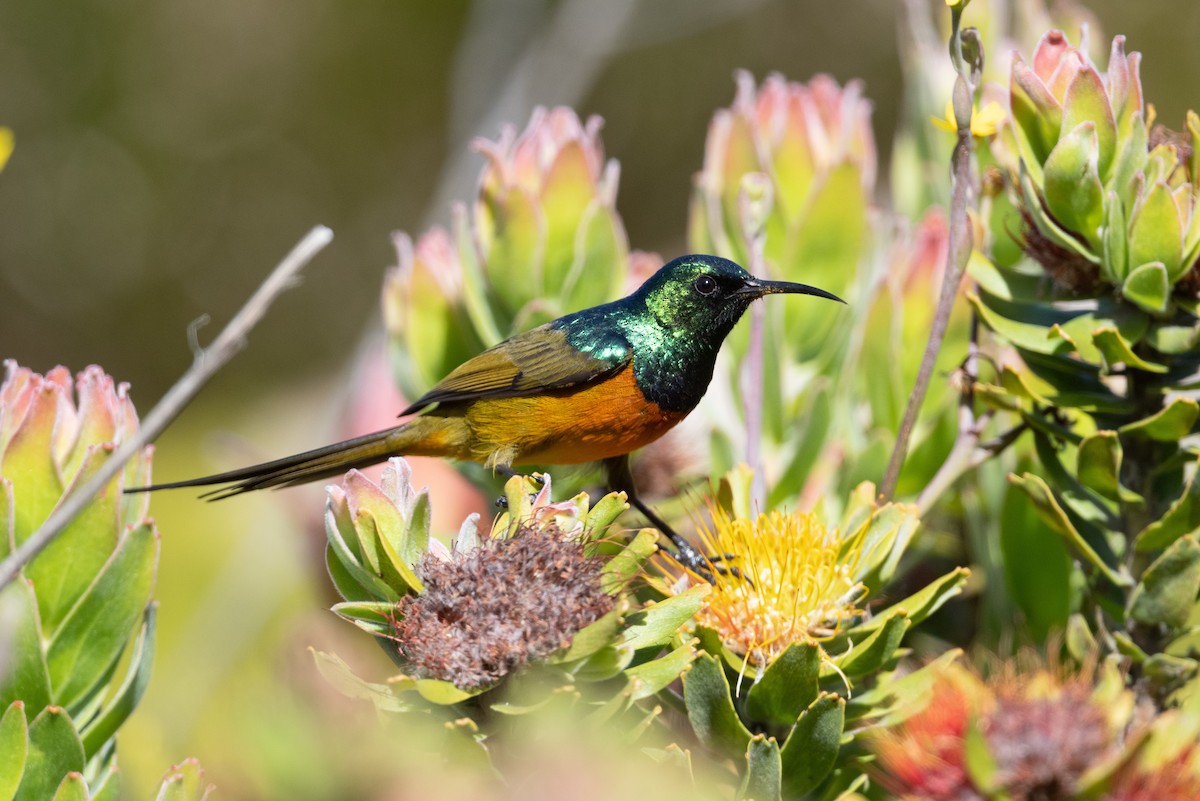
(487, 612)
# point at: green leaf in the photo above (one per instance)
(1148, 286)
(812, 747)
(1073, 192)
(1024, 335)
(710, 708)
(1116, 350)
(65, 570)
(893, 700)
(888, 532)
(1155, 233)
(1081, 644)
(28, 463)
(649, 678)
(1173, 339)
(1167, 592)
(1099, 466)
(605, 513)
(104, 726)
(920, 605)
(100, 625)
(787, 686)
(349, 571)
(872, 653)
(1170, 424)
(72, 788)
(654, 625)
(1036, 564)
(1087, 101)
(54, 751)
(602, 664)
(108, 788)
(374, 617)
(980, 763)
(14, 749)
(1115, 261)
(763, 771)
(1057, 518)
(1049, 226)
(1183, 517)
(27, 678)
(627, 565)
(592, 637)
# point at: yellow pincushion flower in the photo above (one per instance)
(795, 581)
(984, 121)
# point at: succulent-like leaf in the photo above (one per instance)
(650, 678)
(710, 708)
(1099, 466)
(97, 629)
(812, 747)
(101, 729)
(763, 779)
(654, 625)
(184, 782)
(1116, 350)
(918, 606)
(1073, 192)
(1182, 517)
(54, 751)
(27, 678)
(1168, 591)
(1155, 234)
(787, 685)
(873, 652)
(72, 788)
(1087, 101)
(14, 749)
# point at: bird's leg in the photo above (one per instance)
(620, 478)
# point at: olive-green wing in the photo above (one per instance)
(526, 364)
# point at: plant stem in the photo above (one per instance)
(205, 364)
(961, 243)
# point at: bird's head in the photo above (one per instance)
(707, 295)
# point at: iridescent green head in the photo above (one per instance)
(706, 295)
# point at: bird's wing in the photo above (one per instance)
(538, 360)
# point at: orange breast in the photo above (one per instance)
(606, 419)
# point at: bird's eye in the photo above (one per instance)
(705, 284)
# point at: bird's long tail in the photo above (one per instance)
(419, 437)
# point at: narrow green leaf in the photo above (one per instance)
(104, 726)
(1116, 350)
(649, 678)
(1115, 261)
(654, 625)
(54, 751)
(763, 780)
(894, 700)
(1170, 424)
(787, 686)
(710, 708)
(920, 605)
(872, 653)
(1036, 564)
(1087, 101)
(1167, 592)
(14, 749)
(1081, 644)
(980, 763)
(812, 748)
(108, 788)
(1054, 514)
(594, 636)
(627, 565)
(349, 684)
(27, 678)
(100, 626)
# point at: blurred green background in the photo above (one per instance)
(169, 153)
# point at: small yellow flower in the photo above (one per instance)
(794, 582)
(984, 121)
(6, 145)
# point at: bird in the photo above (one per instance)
(591, 386)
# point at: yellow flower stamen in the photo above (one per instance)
(795, 582)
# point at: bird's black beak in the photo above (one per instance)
(756, 288)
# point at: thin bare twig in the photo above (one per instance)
(961, 243)
(205, 364)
